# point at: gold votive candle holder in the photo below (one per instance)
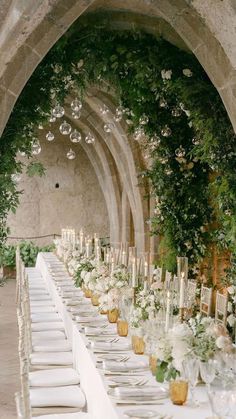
(95, 299)
(122, 327)
(87, 293)
(178, 391)
(113, 315)
(153, 364)
(102, 311)
(138, 345)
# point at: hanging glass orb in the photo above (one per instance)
(16, 177)
(228, 212)
(104, 109)
(76, 105)
(195, 141)
(108, 127)
(75, 136)
(176, 112)
(138, 133)
(40, 126)
(65, 128)
(89, 139)
(180, 152)
(50, 136)
(76, 115)
(52, 119)
(36, 148)
(143, 120)
(166, 131)
(70, 154)
(58, 111)
(163, 103)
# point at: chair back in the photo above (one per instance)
(221, 308)
(206, 300)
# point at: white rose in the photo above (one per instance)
(187, 72)
(166, 74)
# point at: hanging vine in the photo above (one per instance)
(169, 104)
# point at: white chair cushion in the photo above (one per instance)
(49, 335)
(77, 415)
(45, 317)
(41, 303)
(69, 396)
(62, 345)
(40, 297)
(43, 309)
(51, 358)
(54, 378)
(38, 327)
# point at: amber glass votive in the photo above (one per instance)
(87, 293)
(95, 300)
(103, 311)
(178, 391)
(122, 327)
(153, 364)
(138, 345)
(113, 315)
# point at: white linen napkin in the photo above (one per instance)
(112, 346)
(125, 366)
(136, 392)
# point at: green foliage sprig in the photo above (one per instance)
(169, 101)
(28, 252)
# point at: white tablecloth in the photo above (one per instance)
(94, 383)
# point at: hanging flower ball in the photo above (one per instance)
(166, 131)
(176, 112)
(104, 109)
(196, 141)
(163, 103)
(76, 105)
(50, 136)
(65, 128)
(35, 148)
(58, 111)
(143, 120)
(166, 74)
(108, 128)
(138, 133)
(52, 119)
(76, 115)
(89, 139)
(180, 152)
(70, 154)
(75, 136)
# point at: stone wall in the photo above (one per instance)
(78, 201)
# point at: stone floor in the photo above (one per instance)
(9, 366)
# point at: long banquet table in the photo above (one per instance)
(93, 381)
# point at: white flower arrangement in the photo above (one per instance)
(231, 319)
(146, 307)
(111, 287)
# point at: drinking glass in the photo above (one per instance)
(208, 371)
(219, 401)
(190, 368)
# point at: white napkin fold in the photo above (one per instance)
(115, 346)
(111, 329)
(125, 366)
(152, 392)
(89, 319)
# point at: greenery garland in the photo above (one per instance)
(167, 99)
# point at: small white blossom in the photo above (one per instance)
(187, 72)
(166, 74)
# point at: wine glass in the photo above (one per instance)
(208, 371)
(219, 401)
(190, 367)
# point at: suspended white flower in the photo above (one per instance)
(231, 320)
(230, 307)
(187, 72)
(231, 289)
(166, 74)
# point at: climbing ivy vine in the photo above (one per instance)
(171, 108)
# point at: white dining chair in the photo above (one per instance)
(221, 308)
(206, 300)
